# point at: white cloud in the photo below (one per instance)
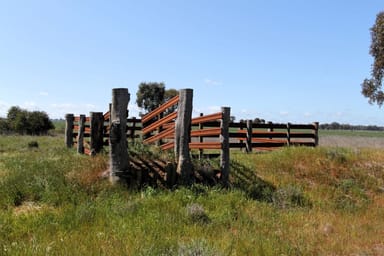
(211, 82)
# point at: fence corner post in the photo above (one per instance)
(224, 139)
(316, 124)
(80, 136)
(69, 118)
(119, 162)
(182, 136)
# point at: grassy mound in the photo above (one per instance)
(296, 201)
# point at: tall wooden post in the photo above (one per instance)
(224, 139)
(316, 125)
(97, 130)
(69, 118)
(248, 144)
(182, 136)
(80, 135)
(119, 163)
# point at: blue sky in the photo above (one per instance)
(285, 61)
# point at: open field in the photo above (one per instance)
(295, 201)
(352, 139)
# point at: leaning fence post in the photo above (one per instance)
(69, 118)
(182, 136)
(316, 124)
(248, 144)
(97, 129)
(80, 136)
(224, 139)
(119, 163)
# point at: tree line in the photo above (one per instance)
(338, 126)
(24, 122)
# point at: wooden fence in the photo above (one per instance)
(206, 131)
(172, 126)
(89, 134)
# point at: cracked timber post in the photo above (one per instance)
(69, 119)
(119, 164)
(182, 136)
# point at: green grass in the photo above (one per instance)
(296, 201)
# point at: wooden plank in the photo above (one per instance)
(160, 109)
(207, 118)
(107, 116)
(167, 146)
(206, 132)
(303, 135)
(205, 145)
(269, 135)
(160, 135)
(303, 126)
(88, 119)
(260, 140)
(159, 123)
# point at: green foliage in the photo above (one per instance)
(22, 121)
(371, 88)
(150, 95)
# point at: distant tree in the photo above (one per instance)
(18, 120)
(169, 94)
(372, 88)
(4, 126)
(39, 123)
(24, 122)
(259, 121)
(150, 95)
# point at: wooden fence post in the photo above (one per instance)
(270, 129)
(182, 136)
(97, 129)
(316, 124)
(119, 163)
(201, 139)
(248, 144)
(288, 134)
(69, 118)
(224, 139)
(80, 135)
